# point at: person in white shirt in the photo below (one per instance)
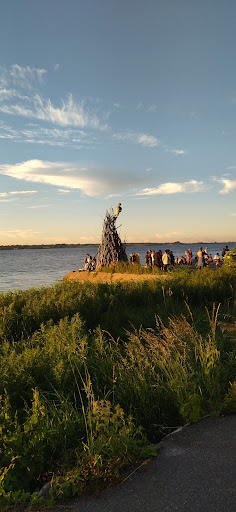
(166, 260)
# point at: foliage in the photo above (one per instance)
(230, 258)
(88, 372)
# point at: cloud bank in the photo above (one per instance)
(90, 181)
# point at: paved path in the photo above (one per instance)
(195, 471)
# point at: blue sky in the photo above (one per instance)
(104, 102)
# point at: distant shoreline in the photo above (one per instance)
(77, 246)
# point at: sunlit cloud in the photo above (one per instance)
(148, 141)
(36, 206)
(91, 181)
(228, 185)
(19, 234)
(175, 188)
(16, 193)
(62, 191)
(23, 192)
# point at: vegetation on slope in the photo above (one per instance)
(92, 374)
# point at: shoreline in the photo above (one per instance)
(79, 246)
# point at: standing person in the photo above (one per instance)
(147, 258)
(152, 258)
(158, 259)
(189, 257)
(166, 260)
(200, 258)
(132, 258)
(172, 258)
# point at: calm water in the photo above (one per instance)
(28, 268)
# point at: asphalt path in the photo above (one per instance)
(195, 471)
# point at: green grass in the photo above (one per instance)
(92, 374)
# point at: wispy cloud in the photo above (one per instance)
(178, 151)
(20, 96)
(68, 113)
(18, 233)
(141, 107)
(187, 187)
(18, 193)
(91, 181)
(148, 141)
(22, 77)
(7, 94)
(36, 206)
(62, 137)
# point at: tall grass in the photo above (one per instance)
(89, 372)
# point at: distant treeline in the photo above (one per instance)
(43, 246)
(63, 246)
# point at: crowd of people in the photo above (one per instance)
(165, 260)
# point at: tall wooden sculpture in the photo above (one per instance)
(111, 249)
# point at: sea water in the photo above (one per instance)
(25, 268)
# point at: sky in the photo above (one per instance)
(109, 101)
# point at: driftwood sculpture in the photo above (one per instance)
(111, 249)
